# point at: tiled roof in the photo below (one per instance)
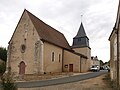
(49, 34)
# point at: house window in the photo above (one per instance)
(59, 57)
(53, 56)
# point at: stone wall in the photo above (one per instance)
(52, 63)
(71, 58)
(22, 46)
(87, 52)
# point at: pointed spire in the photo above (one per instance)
(81, 39)
(81, 31)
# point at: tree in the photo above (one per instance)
(3, 54)
(105, 63)
(2, 68)
(101, 63)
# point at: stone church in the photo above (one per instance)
(37, 48)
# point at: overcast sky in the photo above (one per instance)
(99, 17)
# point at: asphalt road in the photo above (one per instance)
(64, 80)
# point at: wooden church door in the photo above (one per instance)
(22, 68)
(70, 67)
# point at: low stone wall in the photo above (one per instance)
(31, 77)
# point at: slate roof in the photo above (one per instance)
(80, 40)
(81, 31)
(49, 34)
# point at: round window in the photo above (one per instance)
(23, 47)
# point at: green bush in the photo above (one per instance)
(3, 54)
(2, 67)
(8, 83)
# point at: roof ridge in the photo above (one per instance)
(48, 33)
(42, 21)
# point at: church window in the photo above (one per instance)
(59, 57)
(25, 35)
(23, 47)
(53, 56)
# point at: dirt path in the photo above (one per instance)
(97, 83)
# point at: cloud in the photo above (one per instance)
(98, 19)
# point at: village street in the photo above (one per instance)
(60, 81)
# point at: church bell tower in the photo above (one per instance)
(81, 39)
(81, 45)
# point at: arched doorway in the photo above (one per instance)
(22, 68)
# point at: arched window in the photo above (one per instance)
(59, 57)
(53, 56)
